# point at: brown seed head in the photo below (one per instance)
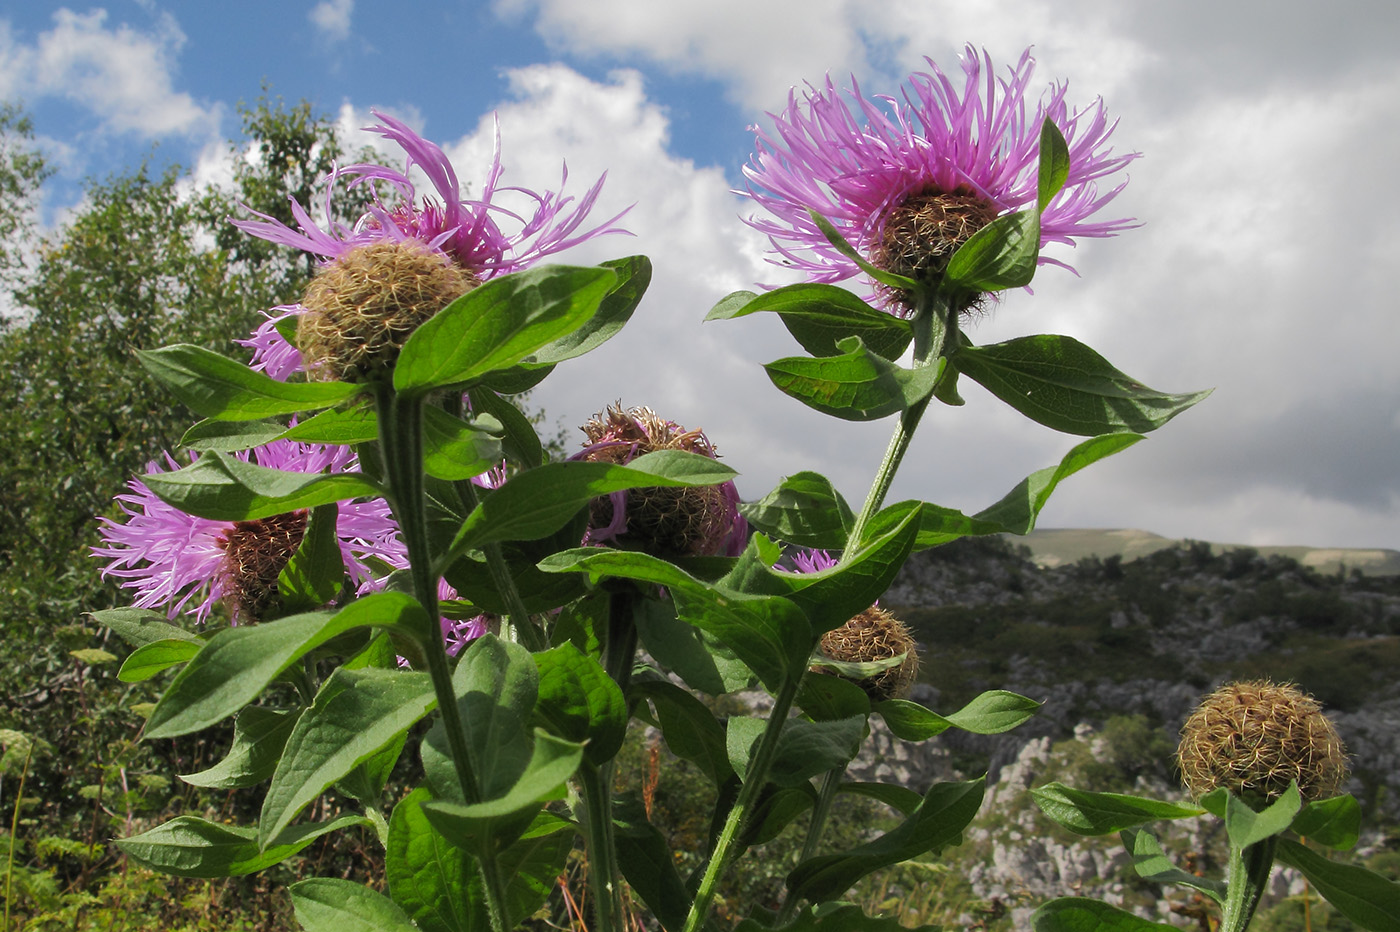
(1254, 738)
(921, 235)
(875, 634)
(255, 553)
(362, 307)
(664, 522)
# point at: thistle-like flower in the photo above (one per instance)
(667, 522)
(906, 183)
(1255, 738)
(405, 259)
(187, 564)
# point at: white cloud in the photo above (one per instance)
(332, 18)
(123, 76)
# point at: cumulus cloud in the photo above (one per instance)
(121, 75)
(332, 19)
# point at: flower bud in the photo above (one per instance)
(874, 635)
(255, 553)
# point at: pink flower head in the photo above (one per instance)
(855, 165)
(171, 559)
(466, 231)
(809, 561)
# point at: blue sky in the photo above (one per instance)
(1270, 134)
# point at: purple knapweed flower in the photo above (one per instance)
(808, 561)
(466, 232)
(184, 563)
(668, 522)
(907, 182)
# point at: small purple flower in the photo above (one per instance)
(976, 149)
(465, 231)
(171, 559)
(808, 561)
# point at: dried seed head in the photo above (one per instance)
(666, 522)
(255, 553)
(923, 232)
(1254, 738)
(875, 634)
(363, 306)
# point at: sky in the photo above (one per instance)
(1266, 190)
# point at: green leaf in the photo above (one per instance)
(1001, 255)
(807, 748)
(340, 426)
(946, 810)
(520, 442)
(156, 657)
(828, 698)
(805, 509)
(1066, 386)
(691, 730)
(899, 798)
(1332, 823)
(857, 385)
(435, 882)
(1054, 163)
(187, 846)
(648, 864)
(454, 449)
(633, 277)
(329, 904)
(581, 702)
(499, 323)
(775, 810)
(471, 576)
(259, 734)
(1364, 897)
(696, 656)
(354, 715)
(217, 387)
(1151, 863)
(834, 237)
(553, 762)
(141, 626)
(224, 488)
(820, 316)
(990, 713)
(1247, 827)
(316, 571)
(228, 436)
(540, 501)
(237, 664)
(1080, 914)
(1102, 813)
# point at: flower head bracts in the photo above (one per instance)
(171, 559)
(856, 166)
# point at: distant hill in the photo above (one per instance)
(1052, 547)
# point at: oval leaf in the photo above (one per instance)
(224, 488)
(217, 387)
(1102, 813)
(857, 385)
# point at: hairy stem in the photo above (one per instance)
(820, 811)
(1249, 875)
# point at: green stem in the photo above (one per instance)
(754, 779)
(935, 333)
(820, 811)
(14, 828)
(495, 888)
(604, 875)
(1249, 875)
(527, 632)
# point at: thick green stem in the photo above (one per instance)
(754, 779)
(1249, 875)
(935, 330)
(820, 811)
(527, 632)
(604, 876)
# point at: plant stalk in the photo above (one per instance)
(1249, 875)
(821, 810)
(527, 632)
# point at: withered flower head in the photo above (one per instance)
(873, 635)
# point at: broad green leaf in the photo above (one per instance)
(228, 436)
(1001, 255)
(156, 657)
(775, 810)
(1151, 863)
(820, 316)
(1102, 813)
(1247, 827)
(498, 324)
(691, 730)
(806, 749)
(1066, 386)
(833, 596)
(990, 713)
(834, 237)
(217, 387)
(435, 882)
(316, 571)
(939, 820)
(187, 846)
(1332, 823)
(341, 426)
(354, 715)
(329, 904)
(1054, 163)
(828, 698)
(1364, 897)
(899, 798)
(581, 702)
(633, 277)
(540, 501)
(454, 449)
(224, 488)
(519, 442)
(141, 626)
(648, 864)
(553, 762)
(857, 385)
(237, 664)
(805, 509)
(1080, 914)
(259, 734)
(533, 863)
